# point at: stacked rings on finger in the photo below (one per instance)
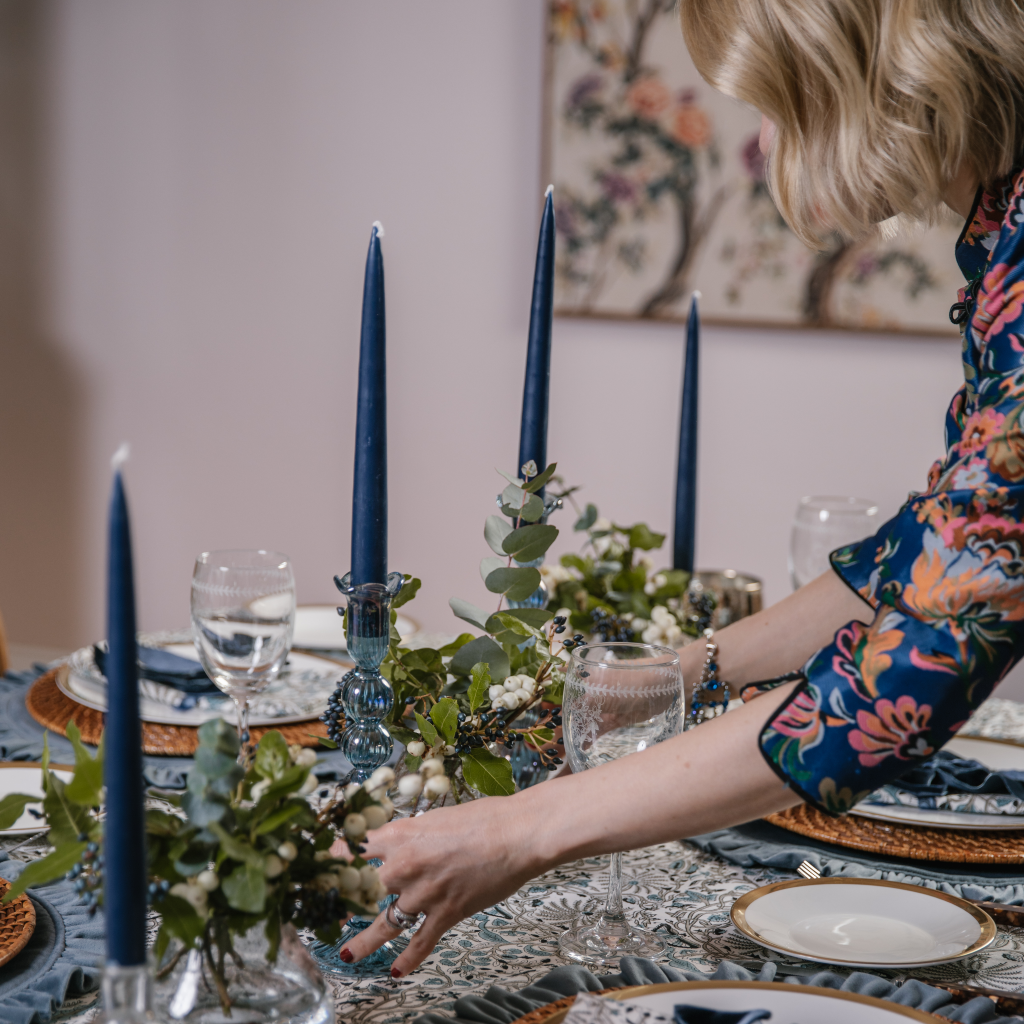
(399, 918)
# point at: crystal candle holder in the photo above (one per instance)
(364, 698)
(127, 995)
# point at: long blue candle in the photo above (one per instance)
(533, 432)
(686, 470)
(370, 484)
(124, 887)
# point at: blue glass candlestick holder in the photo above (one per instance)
(364, 698)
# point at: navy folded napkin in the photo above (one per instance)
(702, 1015)
(163, 666)
(946, 773)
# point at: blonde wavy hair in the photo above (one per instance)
(877, 103)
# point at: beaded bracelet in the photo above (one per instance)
(711, 695)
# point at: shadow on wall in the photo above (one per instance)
(40, 402)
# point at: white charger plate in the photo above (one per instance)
(862, 922)
(996, 755)
(27, 777)
(803, 1003)
(318, 627)
(298, 694)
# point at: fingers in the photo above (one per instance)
(369, 939)
(421, 944)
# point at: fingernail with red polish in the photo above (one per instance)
(346, 956)
(395, 973)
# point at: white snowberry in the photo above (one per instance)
(410, 786)
(375, 817)
(208, 880)
(436, 785)
(272, 866)
(495, 691)
(354, 826)
(416, 748)
(349, 880)
(381, 778)
(432, 766)
(306, 758)
(287, 850)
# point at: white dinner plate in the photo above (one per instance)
(862, 922)
(318, 627)
(298, 694)
(802, 1004)
(996, 755)
(27, 777)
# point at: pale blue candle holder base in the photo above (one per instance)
(377, 963)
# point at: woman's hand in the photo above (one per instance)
(449, 863)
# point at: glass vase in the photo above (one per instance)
(251, 990)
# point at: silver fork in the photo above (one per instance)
(808, 870)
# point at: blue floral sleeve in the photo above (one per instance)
(945, 576)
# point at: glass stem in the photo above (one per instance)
(242, 706)
(613, 921)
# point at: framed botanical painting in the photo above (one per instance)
(659, 190)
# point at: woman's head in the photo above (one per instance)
(877, 104)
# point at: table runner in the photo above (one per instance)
(761, 844)
(501, 1006)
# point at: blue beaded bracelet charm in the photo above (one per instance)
(711, 694)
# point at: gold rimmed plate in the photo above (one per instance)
(786, 1002)
(862, 922)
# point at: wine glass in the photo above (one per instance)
(243, 617)
(821, 525)
(619, 699)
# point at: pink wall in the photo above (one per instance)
(211, 173)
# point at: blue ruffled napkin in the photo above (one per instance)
(950, 783)
(700, 1015)
(593, 1009)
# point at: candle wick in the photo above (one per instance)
(379, 228)
(548, 191)
(120, 457)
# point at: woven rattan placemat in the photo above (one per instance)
(53, 710)
(915, 842)
(17, 923)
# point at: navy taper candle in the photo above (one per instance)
(124, 848)
(533, 431)
(686, 469)
(370, 484)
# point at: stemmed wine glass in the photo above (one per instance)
(243, 617)
(619, 699)
(823, 523)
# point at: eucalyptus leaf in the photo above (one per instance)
(246, 889)
(535, 617)
(530, 542)
(541, 479)
(217, 733)
(279, 817)
(528, 513)
(180, 919)
(450, 650)
(410, 588)
(201, 810)
(67, 819)
(488, 565)
(483, 648)
(39, 872)
(513, 495)
(271, 756)
(496, 529)
(445, 716)
(516, 625)
(481, 676)
(469, 612)
(587, 520)
(516, 582)
(236, 849)
(488, 774)
(511, 478)
(215, 764)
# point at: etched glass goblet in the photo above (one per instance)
(243, 617)
(619, 699)
(823, 523)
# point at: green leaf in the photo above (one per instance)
(508, 476)
(85, 787)
(180, 919)
(450, 650)
(539, 481)
(488, 565)
(481, 675)
(13, 806)
(488, 774)
(215, 764)
(529, 542)
(67, 819)
(515, 624)
(410, 588)
(643, 538)
(529, 513)
(427, 730)
(483, 648)
(39, 872)
(515, 582)
(535, 617)
(513, 496)
(217, 733)
(445, 715)
(323, 741)
(572, 561)
(468, 612)
(496, 529)
(272, 758)
(587, 520)
(236, 849)
(279, 817)
(160, 823)
(246, 889)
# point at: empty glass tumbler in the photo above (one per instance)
(823, 523)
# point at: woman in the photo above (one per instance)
(872, 109)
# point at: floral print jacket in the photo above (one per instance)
(945, 575)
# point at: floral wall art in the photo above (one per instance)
(659, 189)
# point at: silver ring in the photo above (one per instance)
(398, 918)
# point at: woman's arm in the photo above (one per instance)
(455, 861)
